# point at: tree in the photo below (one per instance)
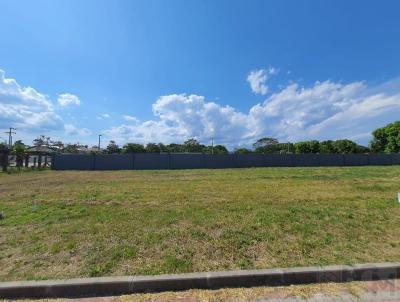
(307, 147)
(152, 148)
(243, 151)
(3, 147)
(348, 146)
(192, 145)
(71, 148)
(217, 149)
(112, 148)
(162, 147)
(327, 147)
(175, 148)
(302, 147)
(41, 141)
(265, 141)
(19, 150)
(386, 139)
(133, 148)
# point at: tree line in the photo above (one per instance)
(385, 139)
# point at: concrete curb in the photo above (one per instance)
(108, 286)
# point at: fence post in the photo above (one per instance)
(40, 161)
(4, 161)
(133, 161)
(26, 160)
(94, 161)
(53, 159)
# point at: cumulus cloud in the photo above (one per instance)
(67, 99)
(33, 112)
(25, 108)
(74, 131)
(258, 79)
(326, 110)
(130, 118)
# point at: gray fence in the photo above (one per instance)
(164, 161)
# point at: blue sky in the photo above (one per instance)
(163, 71)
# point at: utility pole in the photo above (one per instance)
(10, 133)
(212, 145)
(99, 141)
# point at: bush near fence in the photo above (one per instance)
(162, 161)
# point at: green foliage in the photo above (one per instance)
(192, 145)
(307, 147)
(348, 146)
(327, 147)
(133, 148)
(265, 141)
(386, 139)
(243, 151)
(175, 148)
(3, 147)
(217, 149)
(162, 147)
(19, 150)
(276, 148)
(71, 148)
(19, 147)
(153, 148)
(113, 148)
(42, 140)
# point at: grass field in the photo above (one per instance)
(61, 224)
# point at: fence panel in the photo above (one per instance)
(113, 162)
(380, 159)
(186, 161)
(219, 161)
(333, 160)
(278, 160)
(250, 160)
(356, 159)
(305, 160)
(151, 161)
(395, 158)
(73, 162)
(199, 161)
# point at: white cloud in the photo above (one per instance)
(103, 116)
(25, 108)
(74, 131)
(31, 112)
(67, 99)
(130, 118)
(258, 79)
(326, 110)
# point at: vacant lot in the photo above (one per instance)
(69, 224)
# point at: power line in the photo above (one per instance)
(10, 133)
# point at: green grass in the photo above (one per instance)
(70, 224)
